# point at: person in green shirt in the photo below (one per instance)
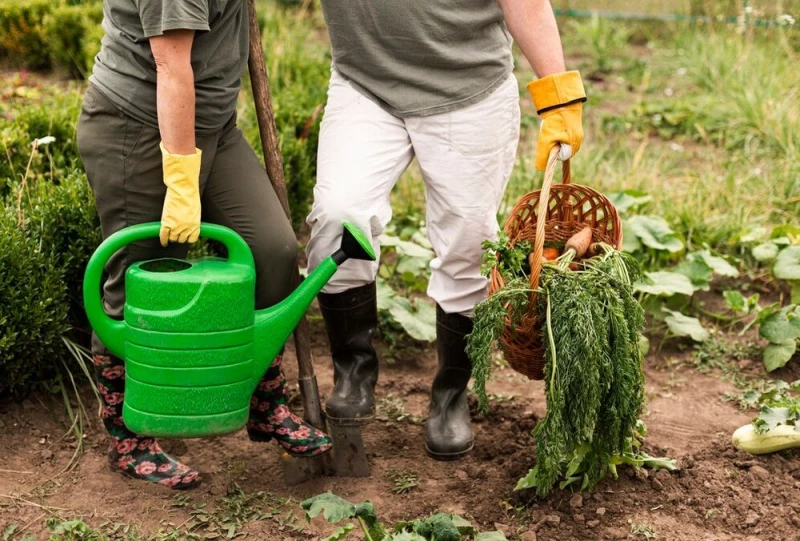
(430, 80)
(158, 138)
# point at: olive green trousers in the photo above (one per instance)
(122, 160)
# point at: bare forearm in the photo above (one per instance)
(175, 91)
(533, 26)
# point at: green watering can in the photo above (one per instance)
(194, 346)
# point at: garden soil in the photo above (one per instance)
(718, 493)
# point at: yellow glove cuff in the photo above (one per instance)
(557, 90)
(178, 167)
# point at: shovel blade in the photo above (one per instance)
(350, 457)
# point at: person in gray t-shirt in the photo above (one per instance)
(431, 80)
(158, 139)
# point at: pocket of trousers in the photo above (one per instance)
(486, 126)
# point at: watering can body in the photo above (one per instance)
(193, 344)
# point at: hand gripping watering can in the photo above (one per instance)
(194, 346)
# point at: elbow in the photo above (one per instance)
(172, 67)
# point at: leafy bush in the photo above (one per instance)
(61, 218)
(299, 70)
(33, 309)
(72, 39)
(23, 37)
(55, 116)
(43, 34)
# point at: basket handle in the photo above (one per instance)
(535, 259)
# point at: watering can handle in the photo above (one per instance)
(112, 332)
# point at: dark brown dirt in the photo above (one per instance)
(718, 494)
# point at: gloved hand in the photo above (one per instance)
(558, 99)
(180, 218)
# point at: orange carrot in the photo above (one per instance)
(550, 254)
(579, 242)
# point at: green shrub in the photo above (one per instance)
(44, 34)
(67, 28)
(299, 70)
(56, 116)
(23, 37)
(61, 218)
(33, 310)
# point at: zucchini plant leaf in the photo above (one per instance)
(787, 264)
(777, 355)
(333, 508)
(781, 326)
(683, 325)
(406, 536)
(340, 533)
(654, 232)
(629, 199)
(418, 319)
(736, 302)
(665, 283)
(697, 271)
(717, 264)
(766, 251)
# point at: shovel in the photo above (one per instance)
(349, 458)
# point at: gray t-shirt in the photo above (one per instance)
(420, 57)
(125, 72)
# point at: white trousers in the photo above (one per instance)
(466, 157)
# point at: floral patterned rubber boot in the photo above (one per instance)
(132, 455)
(270, 418)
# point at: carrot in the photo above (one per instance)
(550, 254)
(579, 242)
(594, 249)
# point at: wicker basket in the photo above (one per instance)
(554, 213)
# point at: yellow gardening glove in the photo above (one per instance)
(180, 219)
(558, 99)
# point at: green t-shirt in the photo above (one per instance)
(420, 57)
(125, 72)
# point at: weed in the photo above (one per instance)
(643, 530)
(391, 408)
(404, 481)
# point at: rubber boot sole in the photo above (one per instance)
(448, 457)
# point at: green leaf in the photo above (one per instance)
(665, 283)
(366, 512)
(629, 199)
(9, 530)
(340, 534)
(406, 536)
(464, 526)
(630, 242)
(491, 536)
(766, 312)
(418, 320)
(735, 301)
(787, 264)
(786, 230)
(766, 251)
(780, 327)
(698, 271)
(717, 264)
(795, 295)
(777, 355)
(334, 508)
(644, 344)
(411, 249)
(655, 233)
(385, 294)
(753, 235)
(770, 418)
(529, 481)
(682, 325)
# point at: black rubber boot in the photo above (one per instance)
(351, 318)
(448, 430)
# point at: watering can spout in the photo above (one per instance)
(274, 325)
